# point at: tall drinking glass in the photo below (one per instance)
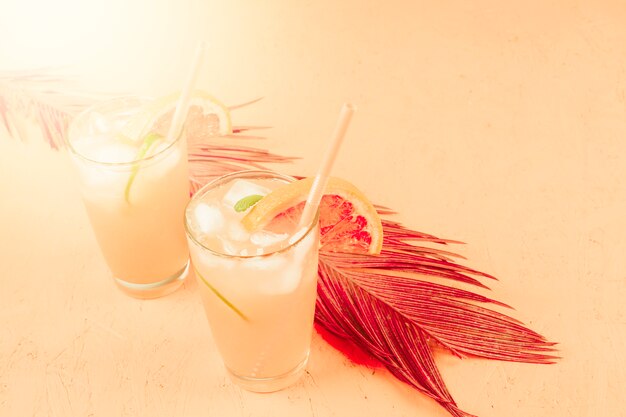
(135, 186)
(258, 287)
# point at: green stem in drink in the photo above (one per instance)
(220, 296)
(148, 141)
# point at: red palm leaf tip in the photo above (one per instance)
(383, 333)
(443, 314)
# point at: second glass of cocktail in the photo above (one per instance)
(135, 185)
(258, 287)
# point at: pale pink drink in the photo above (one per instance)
(258, 287)
(135, 188)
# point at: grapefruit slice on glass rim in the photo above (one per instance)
(207, 116)
(348, 221)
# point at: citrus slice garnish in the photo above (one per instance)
(220, 296)
(207, 116)
(348, 221)
(147, 143)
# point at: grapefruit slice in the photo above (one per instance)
(348, 221)
(207, 117)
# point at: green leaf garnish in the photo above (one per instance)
(247, 202)
(220, 296)
(148, 141)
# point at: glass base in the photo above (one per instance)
(155, 289)
(272, 384)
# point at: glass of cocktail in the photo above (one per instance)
(258, 287)
(135, 186)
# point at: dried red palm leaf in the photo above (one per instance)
(347, 310)
(385, 305)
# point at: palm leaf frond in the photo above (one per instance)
(385, 306)
(208, 160)
(36, 96)
(385, 334)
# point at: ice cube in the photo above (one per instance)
(102, 148)
(284, 280)
(244, 252)
(160, 146)
(86, 145)
(209, 218)
(264, 238)
(237, 232)
(209, 262)
(290, 279)
(298, 235)
(304, 247)
(99, 123)
(229, 248)
(240, 189)
(272, 263)
(113, 152)
(99, 179)
(162, 164)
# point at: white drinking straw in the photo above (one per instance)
(180, 114)
(321, 179)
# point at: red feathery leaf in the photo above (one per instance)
(379, 304)
(347, 310)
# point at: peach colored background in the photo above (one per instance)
(502, 124)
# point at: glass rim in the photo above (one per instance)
(109, 102)
(254, 173)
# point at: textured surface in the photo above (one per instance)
(502, 126)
